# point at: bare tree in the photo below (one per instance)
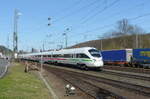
(137, 43)
(123, 28)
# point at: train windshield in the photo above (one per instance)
(95, 53)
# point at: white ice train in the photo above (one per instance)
(86, 57)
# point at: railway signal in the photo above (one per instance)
(49, 19)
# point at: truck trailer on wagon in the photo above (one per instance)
(141, 57)
(117, 57)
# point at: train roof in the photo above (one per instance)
(62, 51)
(128, 49)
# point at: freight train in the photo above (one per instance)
(86, 57)
(127, 57)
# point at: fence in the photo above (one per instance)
(3, 67)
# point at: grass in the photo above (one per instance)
(19, 85)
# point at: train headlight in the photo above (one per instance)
(94, 60)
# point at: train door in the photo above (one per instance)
(73, 60)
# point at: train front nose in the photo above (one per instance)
(98, 62)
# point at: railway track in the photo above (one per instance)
(128, 69)
(85, 78)
(92, 90)
(87, 83)
(128, 75)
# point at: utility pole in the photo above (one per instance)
(41, 64)
(15, 34)
(101, 43)
(43, 47)
(48, 36)
(137, 42)
(8, 46)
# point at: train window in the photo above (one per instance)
(49, 56)
(81, 56)
(61, 55)
(71, 55)
(67, 55)
(95, 53)
(44, 55)
(56, 55)
(39, 55)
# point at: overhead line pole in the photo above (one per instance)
(66, 40)
(66, 37)
(15, 34)
(15, 39)
(137, 42)
(101, 44)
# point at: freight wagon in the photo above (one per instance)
(117, 57)
(127, 57)
(141, 57)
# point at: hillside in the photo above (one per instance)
(5, 50)
(121, 42)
